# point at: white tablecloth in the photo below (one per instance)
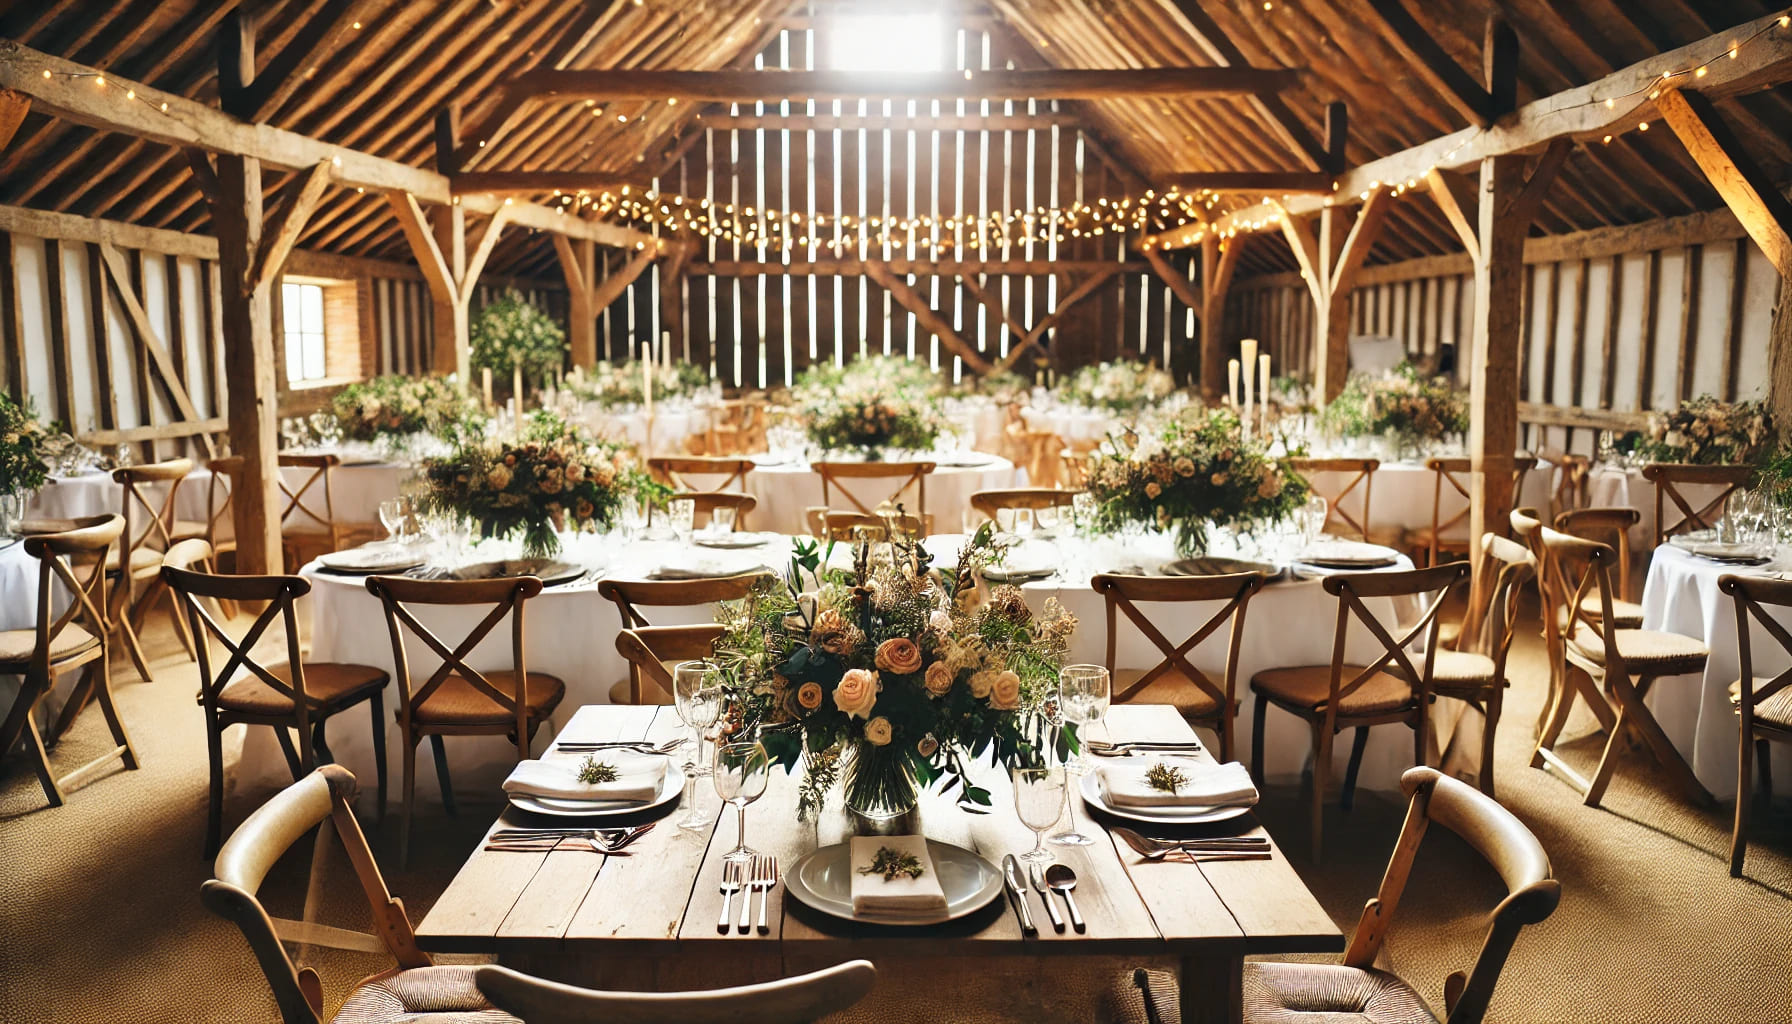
(1624, 487)
(356, 490)
(785, 492)
(1681, 596)
(671, 426)
(1403, 493)
(1073, 424)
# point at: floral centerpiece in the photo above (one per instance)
(22, 465)
(548, 479)
(1706, 431)
(396, 409)
(618, 384)
(1401, 403)
(894, 374)
(891, 676)
(1121, 386)
(513, 334)
(1194, 471)
(870, 405)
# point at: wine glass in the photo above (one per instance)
(697, 694)
(1023, 523)
(1314, 512)
(1082, 699)
(392, 517)
(741, 772)
(1038, 800)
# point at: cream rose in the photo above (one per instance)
(899, 656)
(1004, 691)
(939, 679)
(878, 731)
(857, 693)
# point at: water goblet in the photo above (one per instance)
(682, 513)
(1038, 800)
(392, 517)
(697, 696)
(741, 772)
(972, 519)
(1083, 694)
(1023, 522)
(721, 519)
(1314, 514)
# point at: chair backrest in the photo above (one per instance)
(1123, 595)
(1582, 569)
(1457, 474)
(630, 596)
(76, 559)
(799, 1000)
(1670, 477)
(1609, 525)
(1532, 891)
(1429, 586)
(991, 502)
(905, 475)
(1573, 480)
(671, 471)
(253, 849)
(147, 524)
(649, 648)
(1517, 565)
(322, 468)
(506, 596)
(220, 496)
(278, 594)
(851, 526)
(1360, 480)
(1749, 594)
(705, 503)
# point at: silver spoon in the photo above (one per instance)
(1241, 848)
(1062, 880)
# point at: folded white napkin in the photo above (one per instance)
(921, 897)
(638, 778)
(1209, 784)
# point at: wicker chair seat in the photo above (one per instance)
(327, 684)
(459, 702)
(1309, 686)
(421, 995)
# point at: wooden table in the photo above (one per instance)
(647, 920)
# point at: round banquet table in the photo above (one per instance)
(1073, 425)
(18, 610)
(356, 490)
(1403, 493)
(785, 491)
(672, 425)
(1624, 487)
(1681, 596)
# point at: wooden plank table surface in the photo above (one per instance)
(647, 919)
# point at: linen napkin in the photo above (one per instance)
(638, 778)
(1208, 785)
(920, 897)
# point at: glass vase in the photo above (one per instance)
(880, 793)
(12, 512)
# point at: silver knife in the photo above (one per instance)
(1017, 893)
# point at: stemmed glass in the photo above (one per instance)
(740, 775)
(1038, 799)
(392, 517)
(1082, 700)
(697, 694)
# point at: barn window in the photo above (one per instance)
(887, 42)
(303, 309)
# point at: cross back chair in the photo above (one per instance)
(1176, 680)
(304, 529)
(1035, 498)
(846, 527)
(1076, 457)
(1355, 989)
(1763, 704)
(1623, 663)
(1362, 476)
(1611, 526)
(799, 1000)
(630, 596)
(705, 503)
(285, 695)
(457, 699)
(1574, 474)
(1332, 698)
(149, 530)
(906, 475)
(650, 649)
(71, 563)
(1457, 474)
(218, 528)
(672, 471)
(739, 427)
(1669, 478)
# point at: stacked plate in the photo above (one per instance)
(1335, 553)
(1705, 545)
(371, 560)
(823, 880)
(549, 570)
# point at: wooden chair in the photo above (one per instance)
(1175, 680)
(672, 472)
(1763, 705)
(630, 596)
(1278, 991)
(457, 699)
(652, 650)
(305, 532)
(1326, 700)
(286, 695)
(1573, 480)
(1074, 459)
(218, 529)
(739, 427)
(71, 568)
(1612, 526)
(706, 502)
(1438, 539)
(991, 502)
(904, 474)
(800, 1000)
(1624, 663)
(1352, 524)
(847, 527)
(1669, 478)
(148, 532)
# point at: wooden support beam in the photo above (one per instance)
(163, 364)
(323, 33)
(1439, 70)
(1452, 203)
(1747, 190)
(287, 224)
(975, 290)
(1329, 264)
(13, 108)
(1182, 287)
(482, 252)
(1779, 347)
(1070, 298)
(1280, 182)
(929, 318)
(797, 121)
(415, 225)
(500, 183)
(671, 292)
(774, 86)
(612, 287)
(1219, 262)
(205, 176)
(1337, 136)
(1525, 203)
(578, 265)
(1278, 119)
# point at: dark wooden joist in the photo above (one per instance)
(321, 34)
(773, 86)
(534, 182)
(797, 121)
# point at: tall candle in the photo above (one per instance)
(647, 384)
(516, 386)
(1232, 375)
(666, 347)
(485, 384)
(1263, 377)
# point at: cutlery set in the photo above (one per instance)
(549, 840)
(760, 874)
(1101, 749)
(1056, 879)
(637, 746)
(1198, 850)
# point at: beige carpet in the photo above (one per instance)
(100, 918)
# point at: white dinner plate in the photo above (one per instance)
(370, 560)
(729, 541)
(670, 787)
(823, 880)
(1096, 798)
(1334, 553)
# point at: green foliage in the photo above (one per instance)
(22, 466)
(1122, 386)
(513, 332)
(1708, 432)
(1401, 402)
(870, 405)
(615, 384)
(399, 406)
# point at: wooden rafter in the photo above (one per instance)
(774, 86)
(1277, 116)
(917, 268)
(798, 121)
(490, 131)
(929, 318)
(1283, 182)
(1439, 70)
(532, 182)
(13, 107)
(321, 34)
(166, 374)
(1750, 194)
(1457, 209)
(285, 225)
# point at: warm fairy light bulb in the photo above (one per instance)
(1643, 127)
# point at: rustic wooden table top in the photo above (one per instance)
(663, 895)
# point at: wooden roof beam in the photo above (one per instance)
(1746, 189)
(13, 107)
(773, 86)
(1278, 118)
(321, 34)
(530, 182)
(1439, 70)
(1281, 182)
(798, 121)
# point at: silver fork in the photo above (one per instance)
(767, 880)
(731, 878)
(752, 869)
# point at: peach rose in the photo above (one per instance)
(857, 693)
(981, 683)
(1004, 691)
(809, 696)
(939, 679)
(878, 731)
(899, 656)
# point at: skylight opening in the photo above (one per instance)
(887, 42)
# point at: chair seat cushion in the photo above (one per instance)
(422, 995)
(143, 559)
(1171, 687)
(1293, 993)
(1644, 650)
(1628, 614)
(1775, 710)
(1453, 671)
(459, 702)
(327, 684)
(1307, 688)
(16, 645)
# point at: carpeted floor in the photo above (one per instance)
(100, 918)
